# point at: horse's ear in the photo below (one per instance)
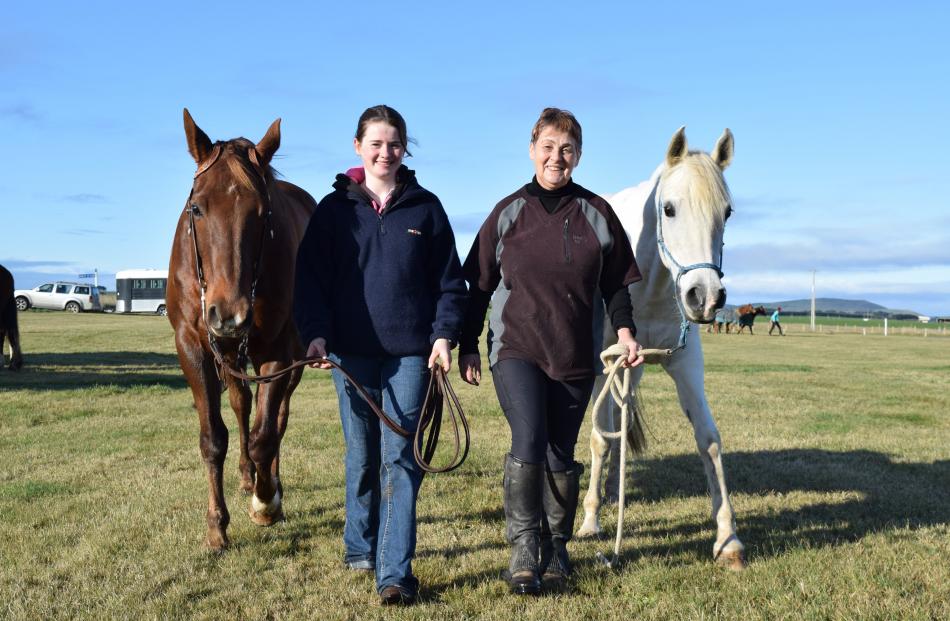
(199, 145)
(269, 143)
(722, 152)
(678, 148)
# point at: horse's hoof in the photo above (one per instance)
(247, 486)
(587, 532)
(265, 519)
(217, 541)
(266, 514)
(733, 560)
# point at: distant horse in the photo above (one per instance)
(725, 318)
(9, 328)
(229, 294)
(676, 222)
(747, 314)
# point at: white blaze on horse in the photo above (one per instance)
(676, 221)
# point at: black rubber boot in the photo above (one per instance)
(523, 482)
(561, 490)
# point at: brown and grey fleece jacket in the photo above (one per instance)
(547, 271)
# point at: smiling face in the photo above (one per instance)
(381, 150)
(555, 154)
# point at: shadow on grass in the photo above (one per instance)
(69, 371)
(892, 495)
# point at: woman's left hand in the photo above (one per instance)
(634, 357)
(441, 352)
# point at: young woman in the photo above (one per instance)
(379, 289)
(546, 252)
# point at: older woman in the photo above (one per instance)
(543, 257)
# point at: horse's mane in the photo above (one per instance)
(234, 153)
(704, 184)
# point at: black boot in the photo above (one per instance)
(560, 495)
(523, 484)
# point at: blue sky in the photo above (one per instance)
(839, 110)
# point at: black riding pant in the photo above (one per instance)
(544, 414)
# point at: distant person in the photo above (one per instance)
(775, 323)
(379, 290)
(548, 252)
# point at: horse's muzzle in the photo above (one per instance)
(702, 303)
(228, 325)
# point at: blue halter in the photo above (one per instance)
(681, 269)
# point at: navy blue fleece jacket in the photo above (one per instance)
(374, 284)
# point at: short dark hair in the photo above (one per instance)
(384, 114)
(561, 120)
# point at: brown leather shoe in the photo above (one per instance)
(392, 595)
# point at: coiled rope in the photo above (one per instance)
(631, 425)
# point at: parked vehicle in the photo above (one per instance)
(74, 297)
(140, 291)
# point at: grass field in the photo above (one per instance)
(837, 452)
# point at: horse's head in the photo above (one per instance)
(693, 204)
(760, 310)
(229, 211)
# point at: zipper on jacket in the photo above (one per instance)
(567, 245)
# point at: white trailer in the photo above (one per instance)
(140, 291)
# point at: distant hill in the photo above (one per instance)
(835, 306)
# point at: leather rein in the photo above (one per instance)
(439, 393)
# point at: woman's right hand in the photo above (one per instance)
(470, 368)
(318, 347)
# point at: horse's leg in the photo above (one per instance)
(263, 447)
(239, 394)
(687, 373)
(282, 416)
(12, 330)
(16, 355)
(3, 336)
(200, 373)
(598, 452)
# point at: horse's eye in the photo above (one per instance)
(196, 210)
(728, 212)
(669, 210)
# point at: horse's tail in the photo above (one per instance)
(636, 438)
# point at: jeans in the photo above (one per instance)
(382, 477)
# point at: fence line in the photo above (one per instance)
(923, 331)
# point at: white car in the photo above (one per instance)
(71, 296)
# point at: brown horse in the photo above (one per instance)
(229, 300)
(9, 329)
(747, 314)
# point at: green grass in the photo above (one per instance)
(837, 452)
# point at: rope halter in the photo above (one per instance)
(681, 269)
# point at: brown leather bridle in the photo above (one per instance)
(190, 209)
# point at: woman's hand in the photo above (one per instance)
(442, 353)
(318, 347)
(634, 357)
(470, 369)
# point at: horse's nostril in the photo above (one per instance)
(695, 298)
(213, 319)
(720, 299)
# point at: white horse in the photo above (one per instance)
(675, 222)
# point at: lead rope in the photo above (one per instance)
(438, 393)
(619, 389)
